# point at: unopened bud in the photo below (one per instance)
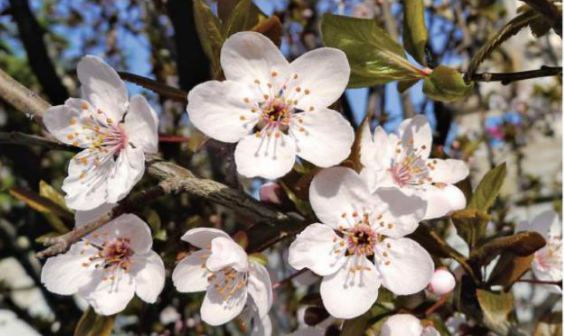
(271, 193)
(442, 282)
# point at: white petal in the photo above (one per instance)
(128, 170)
(260, 288)
(85, 217)
(430, 331)
(191, 275)
(417, 130)
(202, 237)
(375, 151)
(442, 201)
(545, 223)
(313, 248)
(324, 72)
(86, 185)
(401, 210)
(261, 326)
(149, 276)
(337, 191)
(227, 253)
(269, 157)
(127, 226)
(64, 274)
(142, 125)
(402, 325)
(447, 171)
(221, 110)
(410, 266)
(109, 297)
(323, 137)
(249, 56)
(66, 122)
(346, 294)
(102, 86)
(376, 179)
(216, 311)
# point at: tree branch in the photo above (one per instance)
(508, 77)
(19, 138)
(162, 89)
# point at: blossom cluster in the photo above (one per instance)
(274, 111)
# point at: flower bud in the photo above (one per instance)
(271, 193)
(442, 282)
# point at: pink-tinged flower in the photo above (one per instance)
(547, 262)
(271, 193)
(442, 282)
(406, 325)
(403, 161)
(273, 109)
(361, 243)
(109, 266)
(230, 278)
(114, 132)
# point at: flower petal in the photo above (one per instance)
(223, 110)
(410, 266)
(86, 185)
(128, 170)
(142, 125)
(324, 72)
(447, 171)
(127, 226)
(109, 297)
(265, 156)
(441, 201)
(402, 325)
(322, 137)
(249, 56)
(85, 217)
(375, 151)
(227, 253)
(64, 274)
(546, 223)
(149, 274)
(202, 237)
(398, 214)
(260, 288)
(314, 249)
(102, 86)
(217, 311)
(347, 294)
(191, 275)
(67, 122)
(337, 191)
(417, 130)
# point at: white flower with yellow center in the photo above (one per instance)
(273, 109)
(114, 132)
(222, 268)
(361, 243)
(547, 262)
(109, 266)
(403, 161)
(406, 325)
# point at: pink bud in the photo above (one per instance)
(271, 193)
(442, 282)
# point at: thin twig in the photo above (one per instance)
(508, 77)
(160, 88)
(19, 138)
(288, 279)
(540, 282)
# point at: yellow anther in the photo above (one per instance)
(72, 121)
(274, 73)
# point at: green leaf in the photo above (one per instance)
(509, 268)
(446, 84)
(414, 29)
(488, 189)
(470, 225)
(406, 85)
(209, 30)
(39, 203)
(549, 325)
(521, 244)
(373, 56)
(271, 28)
(244, 16)
(53, 194)
(91, 324)
(496, 308)
(356, 326)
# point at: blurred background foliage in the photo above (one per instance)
(42, 40)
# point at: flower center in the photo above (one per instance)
(112, 257)
(408, 168)
(361, 240)
(228, 282)
(276, 113)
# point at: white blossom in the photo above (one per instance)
(361, 243)
(442, 282)
(222, 268)
(547, 262)
(114, 133)
(109, 266)
(273, 109)
(403, 161)
(406, 325)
